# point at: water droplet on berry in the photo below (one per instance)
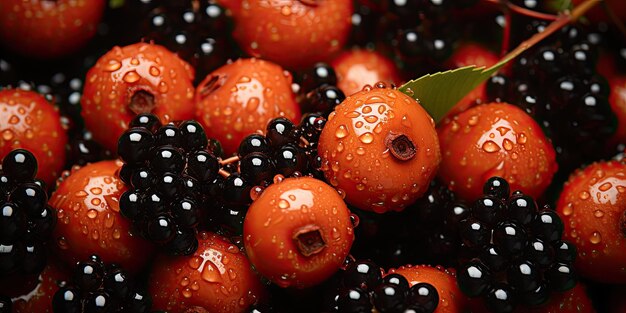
(7, 134)
(568, 209)
(231, 274)
(92, 213)
(154, 71)
(96, 201)
(598, 213)
(116, 234)
(341, 132)
(507, 144)
(405, 121)
(521, 138)
(186, 293)
(584, 195)
(490, 146)
(163, 88)
(131, 77)
(366, 138)
(195, 262)
(113, 66)
(210, 273)
(185, 281)
(595, 238)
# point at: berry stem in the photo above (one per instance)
(223, 173)
(230, 160)
(523, 11)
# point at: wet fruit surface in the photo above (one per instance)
(592, 208)
(37, 296)
(89, 221)
(359, 67)
(217, 277)
(380, 148)
(274, 30)
(495, 139)
(29, 121)
(56, 29)
(140, 78)
(298, 232)
(241, 97)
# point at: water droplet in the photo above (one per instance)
(366, 138)
(334, 233)
(473, 120)
(195, 262)
(360, 151)
(96, 201)
(368, 109)
(490, 146)
(81, 194)
(186, 293)
(210, 273)
(371, 119)
(231, 274)
(113, 65)
(92, 213)
(131, 77)
(595, 238)
(283, 204)
(341, 132)
(95, 234)
(507, 144)
(96, 190)
(405, 121)
(163, 88)
(521, 138)
(358, 124)
(185, 281)
(154, 71)
(584, 195)
(598, 213)
(606, 186)
(7, 134)
(134, 61)
(568, 209)
(116, 234)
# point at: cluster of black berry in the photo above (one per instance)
(557, 83)
(165, 166)
(318, 90)
(26, 220)
(361, 287)
(99, 287)
(430, 237)
(198, 31)
(513, 250)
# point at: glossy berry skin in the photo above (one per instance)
(35, 293)
(360, 158)
(273, 31)
(591, 206)
(48, 30)
(89, 219)
(241, 97)
(617, 99)
(465, 55)
(359, 67)
(217, 277)
(298, 232)
(139, 78)
(451, 299)
(574, 300)
(29, 121)
(495, 139)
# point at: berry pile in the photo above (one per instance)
(165, 164)
(319, 91)
(26, 221)
(514, 252)
(99, 287)
(574, 109)
(361, 288)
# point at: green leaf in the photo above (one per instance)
(560, 5)
(114, 4)
(439, 92)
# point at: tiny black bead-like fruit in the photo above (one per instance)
(139, 302)
(489, 209)
(5, 304)
(388, 298)
(237, 189)
(290, 159)
(169, 135)
(168, 185)
(362, 274)
(43, 225)
(98, 302)
(474, 233)
(398, 280)
(509, 238)
(142, 178)
(12, 223)
(130, 204)
(183, 243)
(473, 278)
(161, 229)
(35, 257)
(493, 259)
(500, 299)
(68, 300)
(523, 276)
(186, 213)
(194, 137)
(280, 132)
(88, 275)
(256, 168)
(354, 300)
(148, 121)
(536, 297)
(547, 225)
(423, 297)
(117, 283)
(253, 143)
(540, 253)
(31, 198)
(323, 99)
(135, 145)
(565, 251)
(20, 165)
(167, 159)
(202, 165)
(561, 277)
(320, 74)
(497, 187)
(521, 208)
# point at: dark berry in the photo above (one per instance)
(5, 304)
(565, 251)
(398, 280)
(146, 120)
(354, 300)
(135, 145)
(202, 165)
(12, 223)
(168, 185)
(561, 277)
(497, 187)
(494, 259)
(509, 237)
(474, 233)
(547, 225)
(323, 99)
(30, 197)
(256, 168)
(423, 297)
(536, 297)
(253, 143)
(290, 159)
(489, 209)
(98, 302)
(194, 137)
(522, 208)
(67, 300)
(142, 178)
(237, 189)
(473, 278)
(388, 298)
(161, 229)
(362, 274)
(20, 165)
(498, 88)
(130, 204)
(183, 243)
(539, 252)
(186, 213)
(167, 159)
(280, 132)
(320, 74)
(500, 299)
(169, 135)
(523, 276)
(88, 275)
(117, 283)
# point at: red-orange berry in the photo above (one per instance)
(298, 232)
(39, 290)
(617, 99)
(451, 299)
(241, 97)
(29, 121)
(48, 29)
(139, 78)
(359, 67)
(380, 148)
(466, 55)
(89, 219)
(292, 33)
(592, 206)
(496, 139)
(216, 278)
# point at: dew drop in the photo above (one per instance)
(507, 144)
(405, 121)
(96, 201)
(598, 213)
(92, 213)
(521, 138)
(131, 77)
(606, 186)
(341, 132)
(154, 71)
(113, 65)
(186, 293)
(366, 138)
(584, 195)
(210, 273)
(595, 238)
(490, 146)
(195, 262)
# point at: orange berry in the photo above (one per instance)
(298, 232)
(380, 148)
(496, 139)
(359, 67)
